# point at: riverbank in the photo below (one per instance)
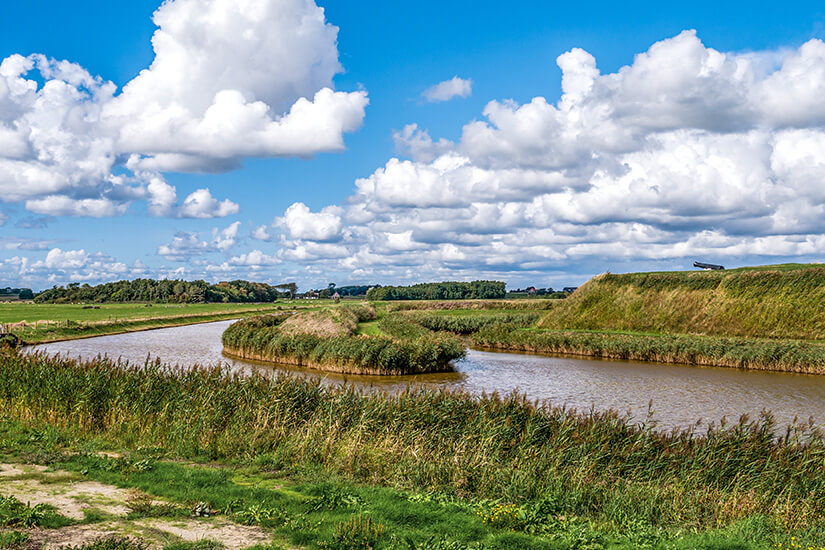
(89, 330)
(742, 353)
(543, 477)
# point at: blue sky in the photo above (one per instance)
(459, 210)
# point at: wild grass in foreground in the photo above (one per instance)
(596, 466)
(314, 509)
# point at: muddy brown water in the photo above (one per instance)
(680, 395)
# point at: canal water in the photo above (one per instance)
(678, 396)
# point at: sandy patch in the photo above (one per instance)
(71, 498)
(155, 533)
(13, 470)
(232, 535)
(35, 485)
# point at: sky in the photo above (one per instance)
(367, 142)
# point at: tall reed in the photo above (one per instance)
(748, 353)
(326, 340)
(597, 464)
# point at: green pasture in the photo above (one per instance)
(31, 312)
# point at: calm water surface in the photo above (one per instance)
(680, 395)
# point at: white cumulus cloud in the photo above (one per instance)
(685, 152)
(230, 79)
(449, 89)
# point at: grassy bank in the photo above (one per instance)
(745, 353)
(329, 340)
(46, 323)
(566, 480)
(770, 302)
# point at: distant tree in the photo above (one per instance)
(440, 291)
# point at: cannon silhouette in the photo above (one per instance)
(708, 266)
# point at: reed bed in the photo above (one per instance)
(327, 340)
(598, 464)
(468, 324)
(747, 353)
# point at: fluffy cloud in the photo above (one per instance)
(225, 239)
(686, 152)
(447, 90)
(254, 258)
(183, 247)
(186, 246)
(301, 224)
(64, 266)
(230, 79)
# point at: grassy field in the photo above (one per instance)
(31, 312)
(38, 323)
(431, 470)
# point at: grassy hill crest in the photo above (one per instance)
(776, 301)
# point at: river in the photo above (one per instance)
(680, 395)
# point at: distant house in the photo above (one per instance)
(336, 296)
(569, 289)
(531, 290)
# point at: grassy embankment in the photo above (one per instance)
(463, 471)
(329, 339)
(770, 318)
(38, 323)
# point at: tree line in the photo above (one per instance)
(476, 290)
(20, 293)
(168, 291)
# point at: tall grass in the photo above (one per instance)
(468, 324)
(596, 464)
(327, 340)
(748, 353)
(768, 303)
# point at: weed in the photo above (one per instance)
(110, 543)
(357, 533)
(141, 505)
(204, 544)
(259, 514)
(12, 540)
(335, 497)
(14, 513)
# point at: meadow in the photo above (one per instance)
(330, 467)
(37, 323)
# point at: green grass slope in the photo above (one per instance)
(782, 301)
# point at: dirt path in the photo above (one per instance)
(80, 499)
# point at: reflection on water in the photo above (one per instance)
(679, 395)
